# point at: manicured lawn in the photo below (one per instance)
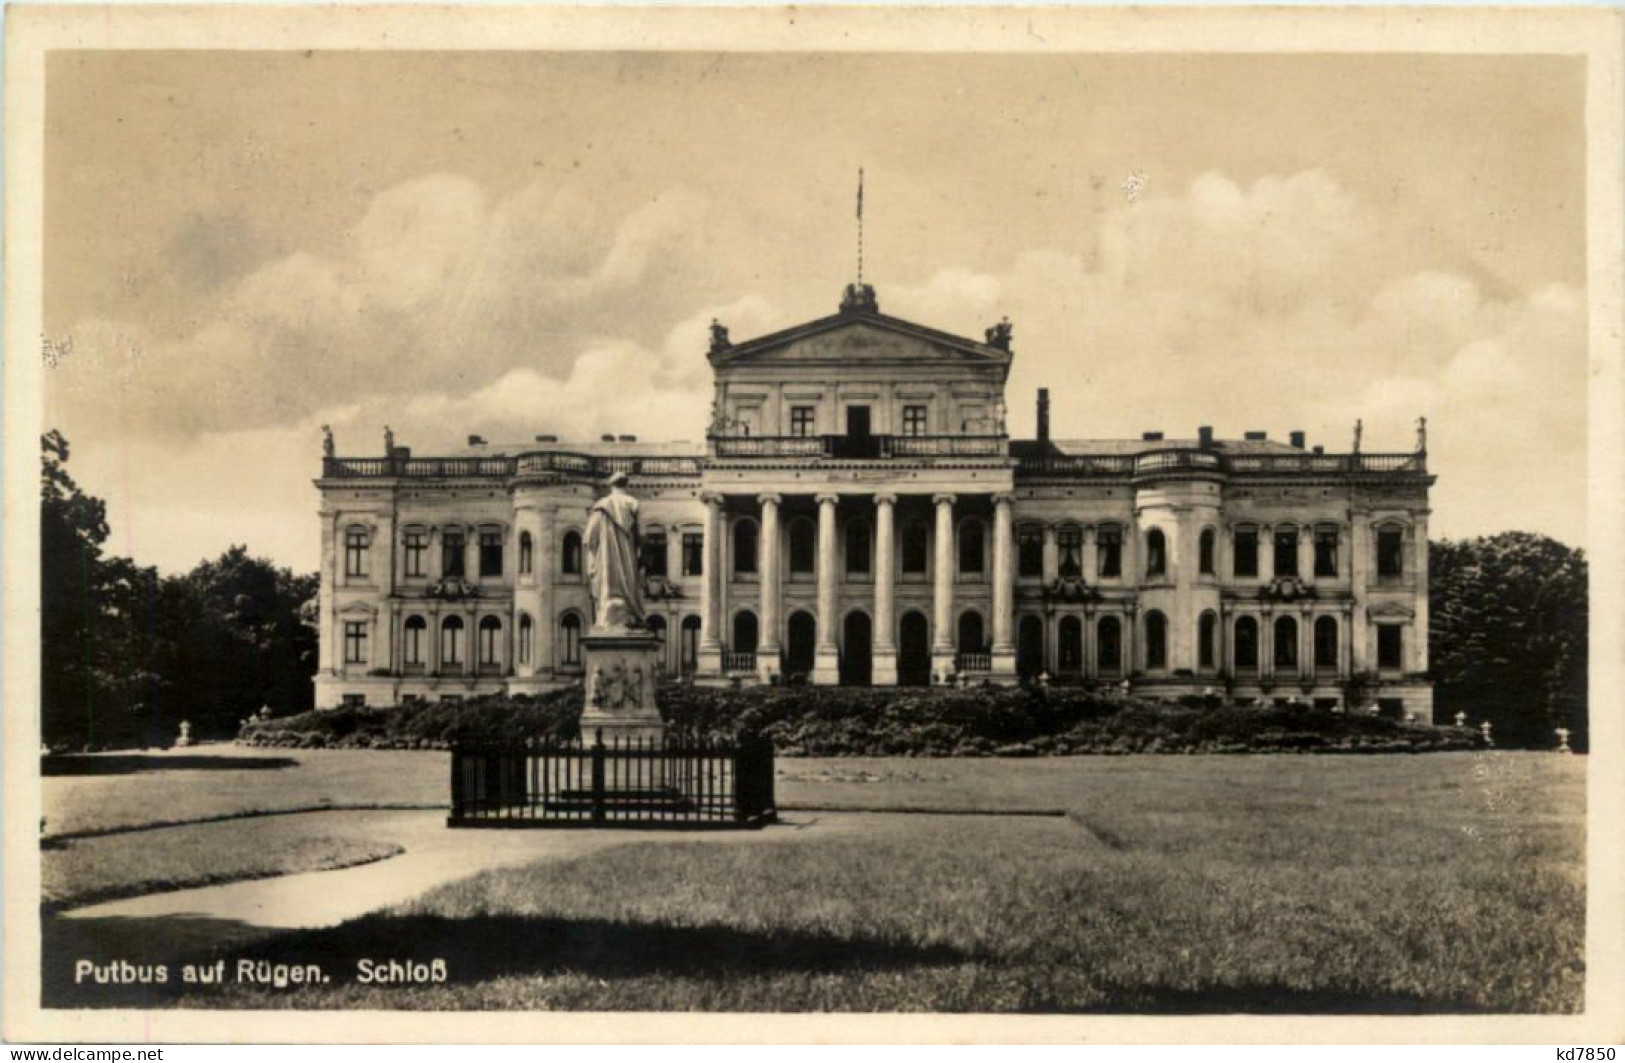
(86, 870)
(1444, 882)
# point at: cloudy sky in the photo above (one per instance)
(245, 246)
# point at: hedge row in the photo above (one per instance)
(807, 721)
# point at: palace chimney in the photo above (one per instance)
(476, 441)
(1297, 439)
(1255, 436)
(1151, 437)
(1204, 437)
(1043, 417)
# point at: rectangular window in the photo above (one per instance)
(1390, 553)
(1109, 548)
(417, 550)
(355, 553)
(654, 553)
(490, 553)
(1030, 551)
(916, 547)
(1246, 564)
(451, 699)
(451, 555)
(1286, 552)
(914, 420)
(355, 701)
(857, 549)
(1069, 551)
(355, 642)
(693, 554)
(411, 699)
(1390, 646)
(801, 421)
(1326, 552)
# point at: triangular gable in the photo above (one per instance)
(859, 336)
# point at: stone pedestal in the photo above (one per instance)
(623, 672)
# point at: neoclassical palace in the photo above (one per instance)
(857, 514)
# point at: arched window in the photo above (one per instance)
(1156, 553)
(1109, 643)
(1156, 640)
(1286, 642)
(970, 632)
(653, 549)
(1204, 552)
(570, 554)
(744, 632)
(526, 554)
(414, 642)
(916, 547)
(570, 639)
(689, 651)
(1207, 630)
(857, 548)
(1326, 643)
(451, 640)
(1070, 645)
(803, 547)
(657, 627)
(1246, 644)
(490, 641)
(745, 537)
(1030, 551)
(971, 543)
(526, 637)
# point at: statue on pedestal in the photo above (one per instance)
(612, 560)
(327, 441)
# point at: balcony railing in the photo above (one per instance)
(739, 661)
(861, 448)
(973, 663)
(561, 463)
(1158, 462)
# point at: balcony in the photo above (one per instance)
(860, 448)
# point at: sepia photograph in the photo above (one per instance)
(788, 512)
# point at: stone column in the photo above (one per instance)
(1418, 650)
(767, 649)
(885, 647)
(826, 654)
(942, 589)
(710, 655)
(1004, 585)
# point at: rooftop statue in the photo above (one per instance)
(612, 560)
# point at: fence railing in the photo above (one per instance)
(739, 661)
(628, 781)
(973, 663)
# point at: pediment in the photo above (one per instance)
(872, 339)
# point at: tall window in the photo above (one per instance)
(970, 548)
(491, 553)
(916, 547)
(490, 641)
(689, 649)
(412, 644)
(693, 554)
(914, 420)
(1326, 643)
(745, 548)
(570, 554)
(355, 642)
(1069, 645)
(526, 637)
(355, 553)
(417, 552)
(801, 421)
(1156, 640)
(1030, 551)
(1109, 643)
(1207, 630)
(526, 554)
(857, 548)
(1246, 553)
(1156, 553)
(1204, 552)
(654, 552)
(1326, 552)
(1286, 642)
(803, 547)
(1390, 552)
(1109, 551)
(745, 635)
(1246, 644)
(1286, 552)
(970, 632)
(1069, 552)
(1390, 646)
(451, 641)
(570, 639)
(451, 554)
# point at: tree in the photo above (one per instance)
(1507, 636)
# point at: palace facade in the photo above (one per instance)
(857, 514)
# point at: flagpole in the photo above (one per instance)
(860, 227)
